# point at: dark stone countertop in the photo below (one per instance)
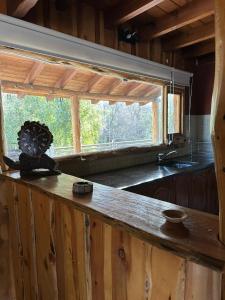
(133, 176)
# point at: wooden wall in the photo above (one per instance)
(58, 252)
(84, 21)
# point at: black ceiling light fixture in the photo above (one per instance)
(128, 36)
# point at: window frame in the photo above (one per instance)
(76, 128)
(177, 90)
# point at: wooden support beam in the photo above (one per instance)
(194, 36)
(29, 89)
(19, 8)
(218, 112)
(114, 85)
(65, 79)
(126, 11)
(191, 12)
(135, 88)
(2, 136)
(93, 82)
(75, 116)
(155, 122)
(145, 91)
(200, 50)
(154, 92)
(35, 71)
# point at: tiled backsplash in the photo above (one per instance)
(200, 139)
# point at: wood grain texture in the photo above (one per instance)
(218, 112)
(140, 215)
(5, 186)
(79, 256)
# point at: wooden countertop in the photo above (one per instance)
(139, 215)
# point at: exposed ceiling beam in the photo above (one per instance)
(65, 79)
(128, 10)
(114, 85)
(145, 91)
(51, 92)
(200, 49)
(19, 8)
(35, 71)
(135, 88)
(191, 12)
(194, 36)
(93, 82)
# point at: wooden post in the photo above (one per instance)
(155, 122)
(75, 115)
(218, 112)
(2, 139)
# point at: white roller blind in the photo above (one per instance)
(23, 35)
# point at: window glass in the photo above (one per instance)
(174, 113)
(106, 126)
(56, 114)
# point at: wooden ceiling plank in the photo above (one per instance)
(114, 85)
(19, 8)
(35, 71)
(51, 92)
(65, 79)
(134, 88)
(93, 82)
(187, 14)
(127, 11)
(194, 36)
(200, 49)
(145, 91)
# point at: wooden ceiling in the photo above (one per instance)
(24, 75)
(180, 24)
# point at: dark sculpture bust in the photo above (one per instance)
(34, 139)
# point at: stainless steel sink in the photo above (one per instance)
(178, 164)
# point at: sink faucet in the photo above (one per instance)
(164, 156)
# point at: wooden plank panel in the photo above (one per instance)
(202, 283)
(139, 286)
(97, 258)
(27, 239)
(81, 250)
(43, 209)
(120, 263)
(5, 189)
(3, 167)
(15, 242)
(167, 275)
(65, 259)
(107, 262)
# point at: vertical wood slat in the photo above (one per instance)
(79, 257)
(43, 210)
(15, 242)
(218, 112)
(2, 139)
(4, 242)
(75, 115)
(27, 240)
(155, 122)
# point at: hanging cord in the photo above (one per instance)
(189, 109)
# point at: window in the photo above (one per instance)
(106, 126)
(55, 113)
(175, 111)
(95, 125)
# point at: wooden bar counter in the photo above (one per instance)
(109, 245)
